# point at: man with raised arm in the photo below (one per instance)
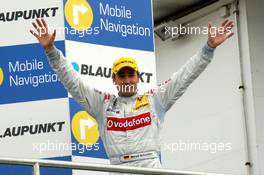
(130, 123)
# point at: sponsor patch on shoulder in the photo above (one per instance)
(106, 96)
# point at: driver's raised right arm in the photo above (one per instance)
(91, 99)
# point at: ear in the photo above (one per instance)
(113, 78)
(138, 78)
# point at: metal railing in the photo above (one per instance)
(37, 163)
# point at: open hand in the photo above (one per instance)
(45, 39)
(219, 35)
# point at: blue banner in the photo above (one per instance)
(27, 76)
(125, 24)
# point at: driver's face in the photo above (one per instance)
(126, 81)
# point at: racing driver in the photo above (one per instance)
(130, 123)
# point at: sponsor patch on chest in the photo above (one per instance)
(141, 102)
(126, 124)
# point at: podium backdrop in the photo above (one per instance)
(39, 119)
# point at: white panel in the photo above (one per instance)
(210, 112)
(255, 26)
(89, 160)
(20, 27)
(39, 145)
(259, 105)
(104, 56)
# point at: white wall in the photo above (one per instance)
(211, 109)
(253, 63)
